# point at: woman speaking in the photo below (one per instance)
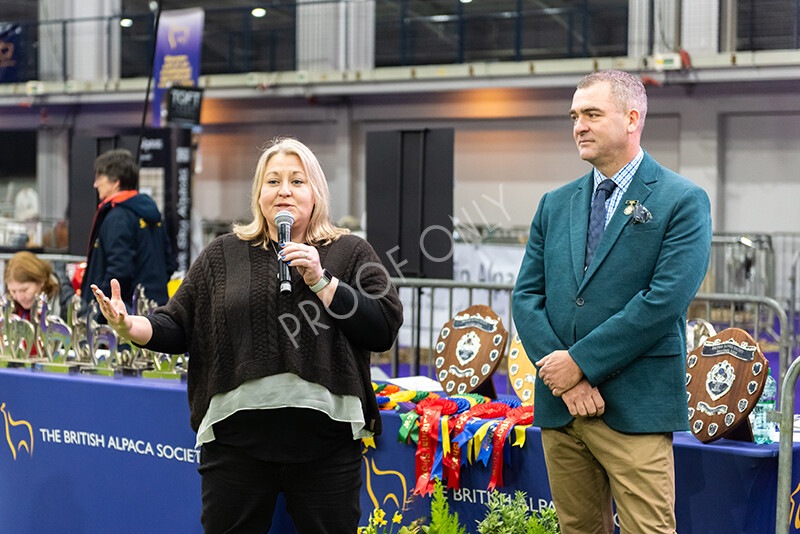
(279, 385)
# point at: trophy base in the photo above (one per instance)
(132, 371)
(51, 367)
(107, 372)
(170, 375)
(13, 363)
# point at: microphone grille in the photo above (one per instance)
(284, 217)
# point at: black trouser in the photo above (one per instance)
(239, 491)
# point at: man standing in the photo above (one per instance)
(612, 263)
(128, 240)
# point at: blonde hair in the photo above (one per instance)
(25, 267)
(320, 230)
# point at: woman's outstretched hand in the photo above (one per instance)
(113, 309)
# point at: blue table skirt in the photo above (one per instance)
(86, 454)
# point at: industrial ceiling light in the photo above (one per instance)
(258, 12)
(125, 23)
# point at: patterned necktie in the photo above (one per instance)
(597, 218)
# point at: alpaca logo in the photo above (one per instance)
(400, 480)
(795, 510)
(25, 439)
(178, 35)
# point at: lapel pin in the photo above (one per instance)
(629, 206)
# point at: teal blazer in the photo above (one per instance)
(624, 319)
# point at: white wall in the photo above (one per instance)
(762, 172)
(229, 158)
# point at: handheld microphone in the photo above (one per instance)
(284, 220)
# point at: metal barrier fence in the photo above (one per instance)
(425, 311)
(786, 420)
(429, 303)
(793, 305)
(754, 264)
(757, 315)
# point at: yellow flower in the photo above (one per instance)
(379, 515)
(397, 518)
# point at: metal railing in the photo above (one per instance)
(762, 317)
(756, 315)
(426, 311)
(785, 419)
(793, 297)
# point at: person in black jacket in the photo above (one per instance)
(278, 382)
(128, 241)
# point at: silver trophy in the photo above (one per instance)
(77, 323)
(55, 339)
(18, 336)
(102, 342)
(169, 366)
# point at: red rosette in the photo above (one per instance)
(447, 406)
(523, 415)
(489, 410)
(390, 388)
(431, 410)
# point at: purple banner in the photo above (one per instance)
(177, 59)
(10, 52)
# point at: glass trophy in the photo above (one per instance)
(18, 338)
(105, 361)
(166, 366)
(55, 338)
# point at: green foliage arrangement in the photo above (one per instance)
(504, 516)
(511, 516)
(442, 521)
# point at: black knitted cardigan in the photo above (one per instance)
(238, 327)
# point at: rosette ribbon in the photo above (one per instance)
(454, 460)
(431, 410)
(517, 416)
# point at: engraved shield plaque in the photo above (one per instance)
(469, 349)
(724, 379)
(521, 371)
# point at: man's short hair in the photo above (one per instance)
(119, 166)
(627, 89)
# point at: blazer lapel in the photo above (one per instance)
(579, 224)
(639, 190)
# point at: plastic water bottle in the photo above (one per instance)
(763, 430)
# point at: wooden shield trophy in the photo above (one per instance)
(724, 380)
(521, 371)
(468, 351)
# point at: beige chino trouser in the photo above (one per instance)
(589, 463)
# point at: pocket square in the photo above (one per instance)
(641, 215)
